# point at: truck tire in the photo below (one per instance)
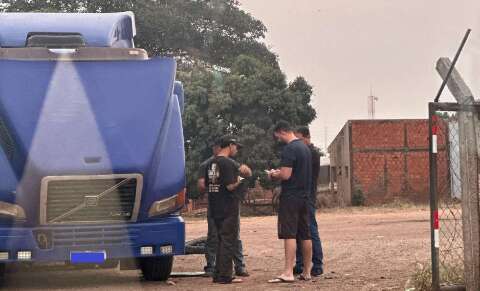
(196, 246)
(2, 274)
(156, 268)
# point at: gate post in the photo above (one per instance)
(434, 222)
(468, 121)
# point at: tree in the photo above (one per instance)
(245, 102)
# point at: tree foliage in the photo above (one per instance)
(233, 83)
(245, 102)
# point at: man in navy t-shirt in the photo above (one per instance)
(295, 174)
(303, 133)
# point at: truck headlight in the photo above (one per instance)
(146, 251)
(24, 255)
(12, 210)
(166, 250)
(167, 205)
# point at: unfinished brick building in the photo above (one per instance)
(383, 160)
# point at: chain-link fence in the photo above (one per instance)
(447, 155)
(449, 203)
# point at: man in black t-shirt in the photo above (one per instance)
(295, 174)
(212, 242)
(221, 180)
(303, 133)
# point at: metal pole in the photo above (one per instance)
(434, 222)
(459, 51)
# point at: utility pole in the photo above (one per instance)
(325, 139)
(371, 104)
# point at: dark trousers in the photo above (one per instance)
(227, 229)
(317, 255)
(212, 246)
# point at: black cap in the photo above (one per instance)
(226, 141)
(217, 142)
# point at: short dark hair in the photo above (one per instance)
(282, 125)
(304, 131)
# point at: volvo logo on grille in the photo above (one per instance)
(91, 201)
(120, 214)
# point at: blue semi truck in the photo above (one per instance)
(92, 166)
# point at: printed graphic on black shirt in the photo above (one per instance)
(220, 173)
(213, 178)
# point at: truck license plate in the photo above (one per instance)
(88, 257)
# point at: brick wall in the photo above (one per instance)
(390, 160)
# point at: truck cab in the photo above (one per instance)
(91, 145)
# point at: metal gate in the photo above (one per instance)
(450, 177)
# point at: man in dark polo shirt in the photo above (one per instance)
(221, 180)
(212, 243)
(295, 174)
(303, 133)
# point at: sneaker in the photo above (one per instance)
(242, 273)
(297, 271)
(209, 272)
(223, 280)
(316, 273)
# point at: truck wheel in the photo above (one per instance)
(196, 246)
(156, 268)
(2, 274)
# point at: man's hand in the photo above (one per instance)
(245, 171)
(234, 186)
(272, 174)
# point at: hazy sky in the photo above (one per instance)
(343, 47)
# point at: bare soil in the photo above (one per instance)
(365, 249)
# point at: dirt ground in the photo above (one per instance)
(365, 249)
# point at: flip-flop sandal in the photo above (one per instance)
(280, 280)
(302, 277)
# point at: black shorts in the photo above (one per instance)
(293, 218)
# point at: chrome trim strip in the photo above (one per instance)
(127, 177)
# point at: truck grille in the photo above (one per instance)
(97, 236)
(87, 199)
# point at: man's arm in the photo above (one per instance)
(286, 165)
(245, 171)
(284, 173)
(229, 174)
(201, 176)
(201, 185)
(233, 186)
(315, 165)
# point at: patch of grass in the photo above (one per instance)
(453, 274)
(421, 279)
(358, 198)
